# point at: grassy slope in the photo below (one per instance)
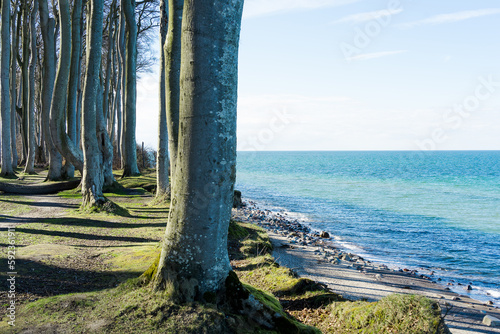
(76, 269)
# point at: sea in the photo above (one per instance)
(436, 212)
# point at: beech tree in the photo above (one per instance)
(162, 163)
(92, 179)
(129, 154)
(194, 262)
(7, 170)
(60, 137)
(29, 40)
(47, 27)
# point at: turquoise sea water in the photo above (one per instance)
(431, 211)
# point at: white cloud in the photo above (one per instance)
(366, 56)
(254, 8)
(452, 17)
(367, 16)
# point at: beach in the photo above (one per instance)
(315, 255)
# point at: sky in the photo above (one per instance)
(362, 75)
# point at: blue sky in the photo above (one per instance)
(363, 75)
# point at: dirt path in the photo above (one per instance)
(16, 210)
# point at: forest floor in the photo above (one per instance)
(74, 271)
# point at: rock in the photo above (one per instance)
(491, 321)
(455, 298)
(325, 235)
(489, 302)
(346, 257)
(237, 203)
(468, 288)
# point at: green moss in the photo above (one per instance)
(108, 207)
(146, 181)
(148, 275)
(236, 231)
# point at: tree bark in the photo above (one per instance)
(31, 136)
(92, 181)
(25, 81)
(7, 170)
(129, 152)
(57, 112)
(162, 163)
(13, 90)
(105, 145)
(194, 262)
(172, 72)
(48, 25)
(74, 79)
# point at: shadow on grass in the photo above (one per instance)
(36, 279)
(77, 222)
(41, 204)
(83, 236)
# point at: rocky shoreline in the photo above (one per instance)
(314, 254)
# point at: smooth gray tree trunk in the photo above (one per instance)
(6, 159)
(105, 145)
(172, 72)
(74, 79)
(92, 180)
(62, 141)
(121, 86)
(31, 136)
(25, 83)
(129, 153)
(47, 25)
(194, 261)
(162, 160)
(13, 89)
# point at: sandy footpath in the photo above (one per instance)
(354, 278)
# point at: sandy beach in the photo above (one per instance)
(319, 258)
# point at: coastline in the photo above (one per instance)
(320, 259)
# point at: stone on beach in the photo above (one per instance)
(325, 235)
(491, 321)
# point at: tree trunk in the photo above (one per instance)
(25, 83)
(162, 182)
(120, 95)
(50, 188)
(129, 152)
(194, 262)
(105, 146)
(48, 25)
(74, 79)
(92, 181)
(173, 69)
(13, 88)
(7, 170)
(30, 162)
(57, 112)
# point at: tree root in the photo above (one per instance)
(38, 189)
